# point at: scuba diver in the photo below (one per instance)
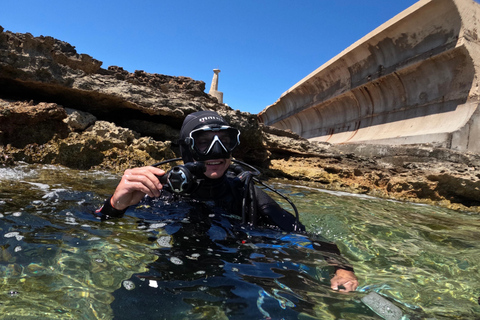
(209, 174)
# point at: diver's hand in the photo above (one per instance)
(135, 184)
(344, 278)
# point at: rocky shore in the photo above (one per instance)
(61, 107)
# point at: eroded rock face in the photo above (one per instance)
(103, 146)
(411, 173)
(79, 120)
(49, 70)
(24, 123)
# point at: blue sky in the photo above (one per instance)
(262, 47)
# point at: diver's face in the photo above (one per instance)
(216, 168)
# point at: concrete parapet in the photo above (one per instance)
(412, 80)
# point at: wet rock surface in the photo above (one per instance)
(61, 107)
(433, 176)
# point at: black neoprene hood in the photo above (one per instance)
(194, 121)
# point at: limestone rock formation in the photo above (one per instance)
(44, 69)
(79, 120)
(25, 123)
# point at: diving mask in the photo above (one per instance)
(213, 142)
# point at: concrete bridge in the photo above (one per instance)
(413, 80)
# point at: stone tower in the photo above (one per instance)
(214, 87)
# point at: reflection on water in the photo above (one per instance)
(58, 261)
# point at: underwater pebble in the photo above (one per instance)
(129, 285)
(14, 234)
(176, 261)
(16, 214)
(18, 248)
(71, 221)
(157, 225)
(200, 272)
(164, 242)
(153, 283)
(13, 293)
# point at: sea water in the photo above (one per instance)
(58, 260)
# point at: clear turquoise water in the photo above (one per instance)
(58, 261)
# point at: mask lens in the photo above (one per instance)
(229, 138)
(203, 138)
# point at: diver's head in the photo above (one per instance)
(205, 135)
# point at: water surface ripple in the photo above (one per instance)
(59, 261)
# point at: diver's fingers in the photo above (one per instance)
(143, 179)
(334, 283)
(350, 285)
(135, 180)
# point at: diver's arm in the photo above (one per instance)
(344, 275)
(135, 184)
(108, 211)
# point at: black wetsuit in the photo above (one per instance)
(212, 261)
(227, 193)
